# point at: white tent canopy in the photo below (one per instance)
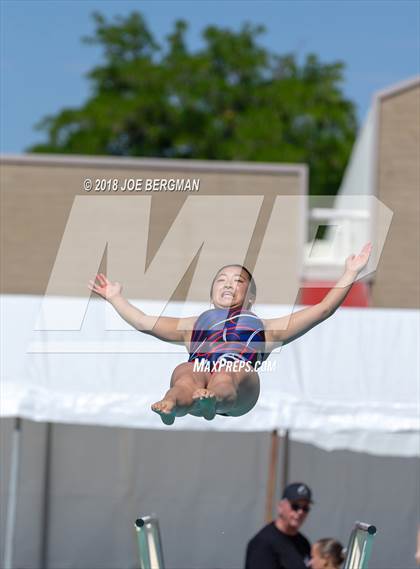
(351, 383)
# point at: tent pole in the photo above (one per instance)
(12, 499)
(46, 498)
(271, 482)
(285, 459)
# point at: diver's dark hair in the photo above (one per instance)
(329, 547)
(252, 287)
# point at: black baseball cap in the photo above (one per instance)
(298, 491)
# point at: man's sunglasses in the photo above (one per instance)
(296, 507)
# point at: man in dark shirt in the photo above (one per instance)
(279, 545)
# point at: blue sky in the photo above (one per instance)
(43, 61)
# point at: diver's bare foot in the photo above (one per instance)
(166, 410)
(206, 402)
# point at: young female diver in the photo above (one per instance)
(230, 335)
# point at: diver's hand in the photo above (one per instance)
(104, 287)
(355, 263)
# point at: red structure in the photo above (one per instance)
(314, 292)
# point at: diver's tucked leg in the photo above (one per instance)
(205, 401)
(176, 402)
(224, 388)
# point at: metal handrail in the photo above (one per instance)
(360, 546)
(149, 543)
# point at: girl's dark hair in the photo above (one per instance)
(252, 287)
(329, 547)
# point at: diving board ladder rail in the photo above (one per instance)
(360, 546)
(149, 543)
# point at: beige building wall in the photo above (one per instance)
(38, 192)
(396, 283)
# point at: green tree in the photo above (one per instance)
(230, 100)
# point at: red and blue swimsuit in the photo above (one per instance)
(235, 335)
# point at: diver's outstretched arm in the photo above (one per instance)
(280, 331)
(164, 328)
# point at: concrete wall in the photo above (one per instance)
(397, 281)
(38, 193)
